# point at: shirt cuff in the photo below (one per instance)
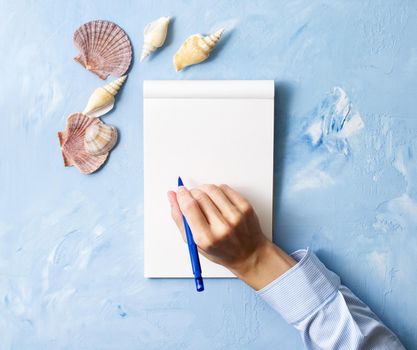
(302, 289)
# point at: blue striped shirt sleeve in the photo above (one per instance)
(327, 314)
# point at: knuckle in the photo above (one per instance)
(212, 189)
(188, 204)
(235, 220)
(223, 186)
(225, 231)
(197, 194)
(246, 208)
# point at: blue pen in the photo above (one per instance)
(192, 248)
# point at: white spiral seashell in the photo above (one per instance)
(100, 138)
(154, 35)
(196, 49)
(102, 99)
(212, 40)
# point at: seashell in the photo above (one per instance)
(196, 49)
(100, 138)
(71, 141)
(102, 99)
(154, 34)
(104, 48)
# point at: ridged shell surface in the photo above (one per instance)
(104, 48)
(72, 144)
(100, 138)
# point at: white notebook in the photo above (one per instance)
(206, 132)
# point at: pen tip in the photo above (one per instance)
(199, 284)
(180, 183)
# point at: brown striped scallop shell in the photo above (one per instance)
(104, 48)
(72, 144)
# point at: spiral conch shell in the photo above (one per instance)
(154, 34)
(102, 99)
(72, 144)
(100, 138)
(196, 49)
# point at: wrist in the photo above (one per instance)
(267, 263)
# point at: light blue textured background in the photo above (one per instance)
(71, 246)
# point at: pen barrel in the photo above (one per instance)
(192, 248)
(195, 262)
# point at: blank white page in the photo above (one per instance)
(206, 132)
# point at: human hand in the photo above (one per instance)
(226, 230)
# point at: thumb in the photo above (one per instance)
(176, 213)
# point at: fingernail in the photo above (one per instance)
(181, 189)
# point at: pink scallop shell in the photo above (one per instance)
(104, 48)
(72, 144)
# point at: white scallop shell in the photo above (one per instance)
(100, 139)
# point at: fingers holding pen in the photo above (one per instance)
(209, 209)
(227, 209)
(214, 213)
(194, 214)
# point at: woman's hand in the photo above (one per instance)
(227, 231)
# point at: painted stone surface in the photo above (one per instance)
(71, 246)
